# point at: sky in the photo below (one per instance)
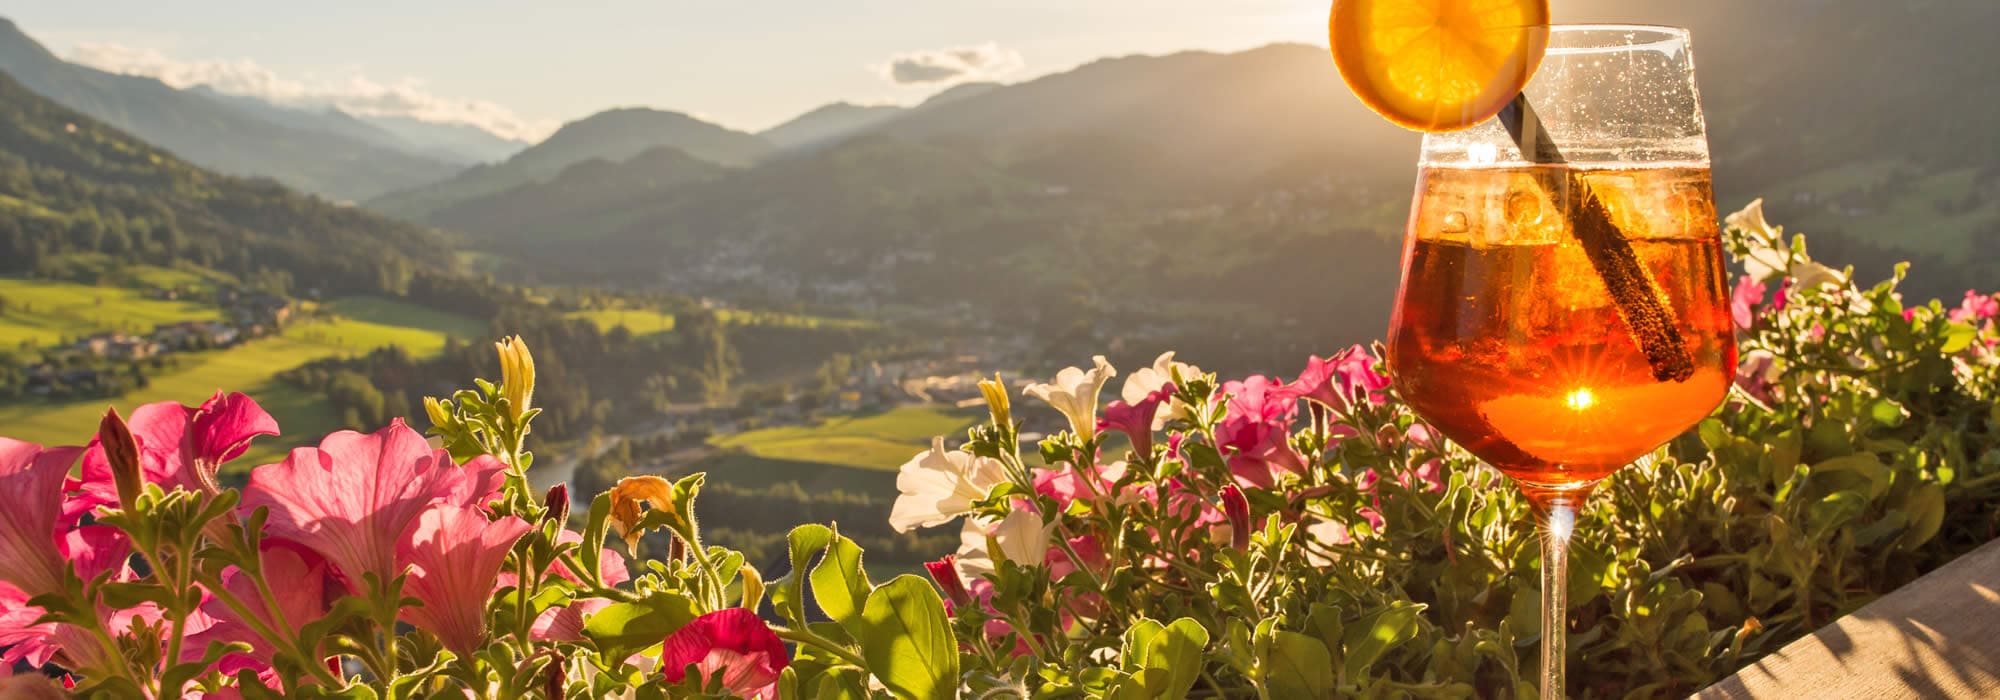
(523, 68)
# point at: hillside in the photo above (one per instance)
(215, 134)
(613, 135)
(458, 143)
(583, 200)
(828, 124)
(71, 184)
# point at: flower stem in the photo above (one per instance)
(806, 636)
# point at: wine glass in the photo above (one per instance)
(1562, 310)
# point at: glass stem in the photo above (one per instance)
(1557, 526)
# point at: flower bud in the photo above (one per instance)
(557, 503)
(945, 573)
(555, 684)
(440, 416)
(996, 401)
(1237, 509)
(517, 374)
(753, 587)
(121, 451)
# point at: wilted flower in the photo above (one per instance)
(1074, 393)
(455, 555)
(517, 374)
(734, 642)
(939, 485)
(353, 498)
(629, 494)
(31, 480)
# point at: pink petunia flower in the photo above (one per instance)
(354, 498)
(734, 642)
(298, 579)
(1337, 382)
(94, 550)
(1975, 307)
(945, 572)
(1237, 509)
(1783, 296)
(565, 623)
(1135, 420)
(1256, 431)
(31, 480)
(1743, 302)
(455, 555)
(179, 447)
(22, 637)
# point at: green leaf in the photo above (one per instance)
(593, 534)
(841, 683)
(1887, 413)
(1863, 464)
(1374, 635)
(907, 640)
(1958, 337)
(1177, 652)
(623, 628)
(839, 584)
(788, 595)
(1299, 666)
(1926, 509)
(1137, 646)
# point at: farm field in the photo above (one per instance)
(650, 321)
(880, 442)
(361, 324)
(46, 312)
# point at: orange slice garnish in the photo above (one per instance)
(1438, 65)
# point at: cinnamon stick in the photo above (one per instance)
(1651, 324)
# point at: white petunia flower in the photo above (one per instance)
(1767, 256)
(1074, 393)
(1147, 380)
(1325, 532)
(1810, 275)
(973, 558)
(939, 485)
(1023, 538)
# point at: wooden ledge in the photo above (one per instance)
(1938, 637)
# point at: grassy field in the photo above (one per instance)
(651, 321)
(361, 324)
(44, 312)
(249, 368)
(882, 441)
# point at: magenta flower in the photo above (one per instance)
(1783, 296)
(1256, 431)
(945, 573)
(1431, 474)
(22, 637)
(1135, 420)
(565, 623)
(179, 447)
(354, 498)
(734, 642)
(455, 555)
(1339, 381)
(31, 482)
(1975, 307)
(1743, 302)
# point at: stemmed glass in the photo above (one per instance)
(1562, 310)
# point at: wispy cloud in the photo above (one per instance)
(986, 61)
(353, 93)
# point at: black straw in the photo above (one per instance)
(1638, 301)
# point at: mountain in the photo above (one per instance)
(829, 123)
(458, 143)
(72, 184)
(327, 120)
(575, 200)
(612, 135)
(214, 134)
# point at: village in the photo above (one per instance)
(113, 362)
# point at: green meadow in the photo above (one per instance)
(880, 442)
(650, 321)
(343, 327)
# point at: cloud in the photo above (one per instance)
(353, 93)
(957, 64)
